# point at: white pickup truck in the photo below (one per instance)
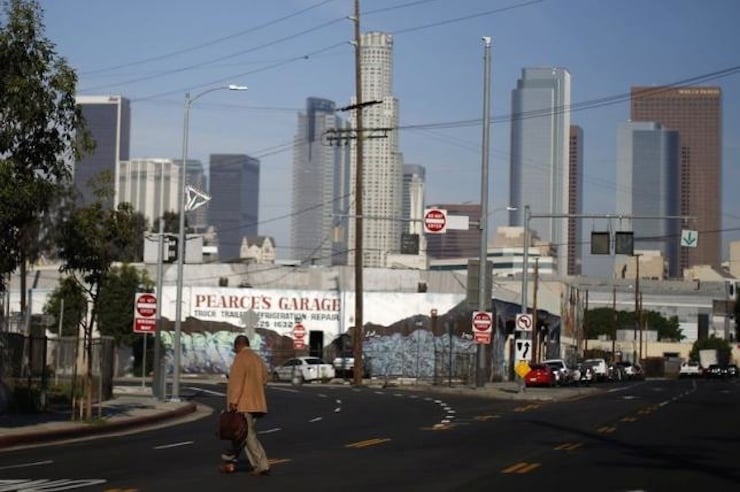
(344, 365)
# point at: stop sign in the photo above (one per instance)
(482, 321)
(299, 332)
(435, 221)
(146, 305)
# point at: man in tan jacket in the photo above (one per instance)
(246, 394)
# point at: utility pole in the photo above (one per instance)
(641, 329)
(614, 324)
(357, 334)
(585, 327)
(483, 303)
(158, 379)
(637, 308)
(535, 328)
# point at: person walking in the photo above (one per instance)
(246, 394)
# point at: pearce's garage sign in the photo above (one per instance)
(276, 310)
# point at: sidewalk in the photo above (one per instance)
(129, 409)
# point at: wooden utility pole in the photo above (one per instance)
(357, 336)
(585, 327)
(614, 324)
(637, 308)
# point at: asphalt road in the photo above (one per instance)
(647, 436)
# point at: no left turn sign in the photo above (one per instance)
(524, 322)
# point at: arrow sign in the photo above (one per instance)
(689, 238)
(522, 349)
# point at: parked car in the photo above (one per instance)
(344, 365)
(600, 369)
(562, 372)
(540, 375)
(732, 371)
(304, 369)
(629, 370)
(715, 371)
(583, 374)
(690, 369)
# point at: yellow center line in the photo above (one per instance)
(629, 419)
(366, 443)
(606, 430)
(568, 446)
(483, 418)
(522, 467)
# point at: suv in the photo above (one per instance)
(344, 365)
(601, 371)
(560, 368)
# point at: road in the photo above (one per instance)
(647, 436)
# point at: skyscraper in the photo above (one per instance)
(320, 189)
(696, 113)
(647, 185)
(108, 120)
(234, 207)
(539, 166)
(575, 200)
(382, 175)
(412, 201)
(141, 185)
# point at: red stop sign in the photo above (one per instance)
(435, 221)
(146, 305)
(482, 321)
(299, 332)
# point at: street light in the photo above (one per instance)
(181, 237)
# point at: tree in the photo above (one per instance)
(116, 315)
(171, 223)
(600, 322)
(75, 305)
(89, 241)
(722, 346)
(40, 129)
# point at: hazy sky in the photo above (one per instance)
(287, 50)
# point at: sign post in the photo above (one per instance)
(145, 322)
(482, 323)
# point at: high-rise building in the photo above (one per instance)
(108, 122)
(150, 186)
(696, 113)
(456, 243)
(539, 166)
(320, 191)
(382, 175)
(234, 207)
(575, 200)
(196, 178)
(412, 201)
(647, 186)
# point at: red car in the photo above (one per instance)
(540, 375)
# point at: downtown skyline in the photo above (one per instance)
(449, 151)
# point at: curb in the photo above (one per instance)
(84, 430)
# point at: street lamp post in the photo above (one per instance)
(484, 304)
(181, 236)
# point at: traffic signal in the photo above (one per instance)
(624, 243)
(600, 243)
(171, 254)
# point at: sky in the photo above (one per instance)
(153, 52)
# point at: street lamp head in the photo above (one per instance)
(510, 208)
(234, 87)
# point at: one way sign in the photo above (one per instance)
(523, 350)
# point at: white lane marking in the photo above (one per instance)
(629, 397)
(356, 390)
(450, 410)
(398, 395)
(379, 393)
(413, 397)
(316, 419)
(26, 465)
(338, 409)
(287, 390)
(174, 445)
(663, 403)
(427, 399)
(438, 402)
(445, 421)
(339, 402)
(270, 431)
(203, 390)
(46, 484)
(322, 395)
